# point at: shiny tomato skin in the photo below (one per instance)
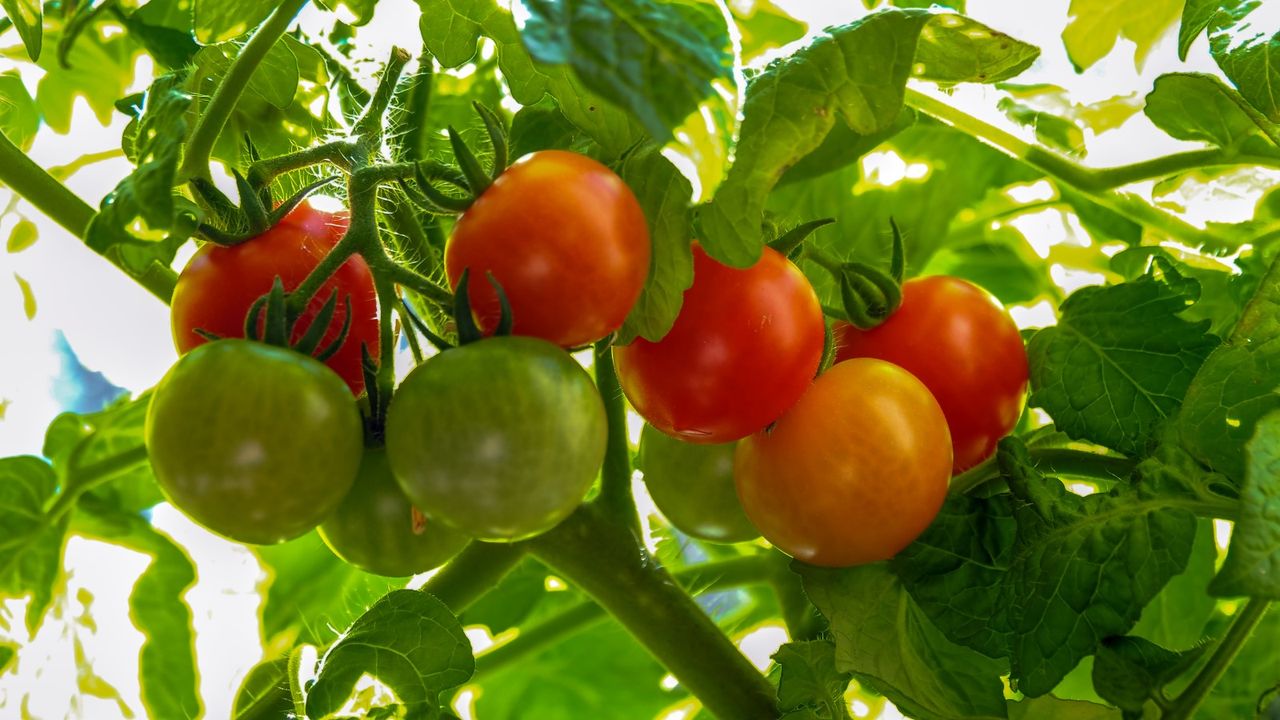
(851, 474)
(254, 442)
(961, 343)
(219, 284)
(501, 438)
(746, 344)
(567, 240)
(318, 222)
(375, 529)
(692, 485)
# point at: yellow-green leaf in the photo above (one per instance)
(23, 236)
(28, 297)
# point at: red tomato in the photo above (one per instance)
(219, 284)
(959, 341)
(746, 344)
(567, 240)
(851, 474)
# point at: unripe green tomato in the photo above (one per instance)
(501, 438)
(375, 529)
(692, 485)
(256, 443)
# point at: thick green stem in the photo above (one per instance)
(1050, 461)
(1097, 184)
(1241, 628)
(338, 153)
(369, 127)
(224, 100)
(64, 207)
(615, 476)
(475, 571)
(709, 577)
(602, 558)
(420, 284)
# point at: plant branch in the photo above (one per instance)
(475, 571)
(83, 479)
(227, 95)
(1097, 184)
(27, 179)
(708, 577)
(615, 476)
(1185, 705)
(1050, 461)
(603, 559)
(337, 153)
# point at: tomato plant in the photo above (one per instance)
(500, 439)
(961, 343)
(219, 284)
(868, 443)
(745, 345)
(1038, 483)
(566, 239)
(377, 529)
(224, 454)
(693, 487)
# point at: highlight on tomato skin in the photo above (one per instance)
(219, 284)
(746, 344)
(567, 240)
(958, 340)
(851, 474)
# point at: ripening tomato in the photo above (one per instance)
(255, 442)
(566, 239)
(851, 474)
(746, 344)
(219, 284)
(959, 341)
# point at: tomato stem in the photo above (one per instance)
(1185, 705)
(615, 475)
(475, 571)
(227, 95)
(1051, 461)
(604, 560)
(336, 153)
(31, 182)
(369, 127)
(704, 578)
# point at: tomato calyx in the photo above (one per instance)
(238, 224)
(469, 178)
(868, 294)
(464, 320)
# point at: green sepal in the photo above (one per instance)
(790, 243)
(497, 132)
(468, 330)
(477, 179)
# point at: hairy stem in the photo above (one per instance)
(475, 571)
(337, 153)
(1184, 706)
(224, 100)
(31, 182)
(708, 577)
(603, 559)
(615, 476)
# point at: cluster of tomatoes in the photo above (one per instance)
(502, 438)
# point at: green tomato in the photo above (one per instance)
(375, 529)
(692, 485)
(254, 442)
(500, 439)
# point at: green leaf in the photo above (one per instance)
(1178, 615)
(1049, 707)
(219, 20)
(28, 18)
(362, 10)
(1056, 132)
(809, 679)
(167, 664)
(23, 236)
(310, 592)
(19, 115)
(1083, 569)
(1128, 671)
(28, 297)
(764, 26)
(1119, 360)
(1196, 106)
(843, 147)
(410, 641)
(274, 81)
(658, 60)
(1239, 383)
(1252, 567)
(1010, 270)
(1248, 53)
(451, 30)
(265, 691)
(147, 194)
(664, 195)
(1095, 25)
(856, 73)
(888, 643)
(165, 29)
(90, 438)
(30, 542)
(100, 72)
(1100, 116)
(7, 655)
(522, 594)
(1196, 15)
(956, 571)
